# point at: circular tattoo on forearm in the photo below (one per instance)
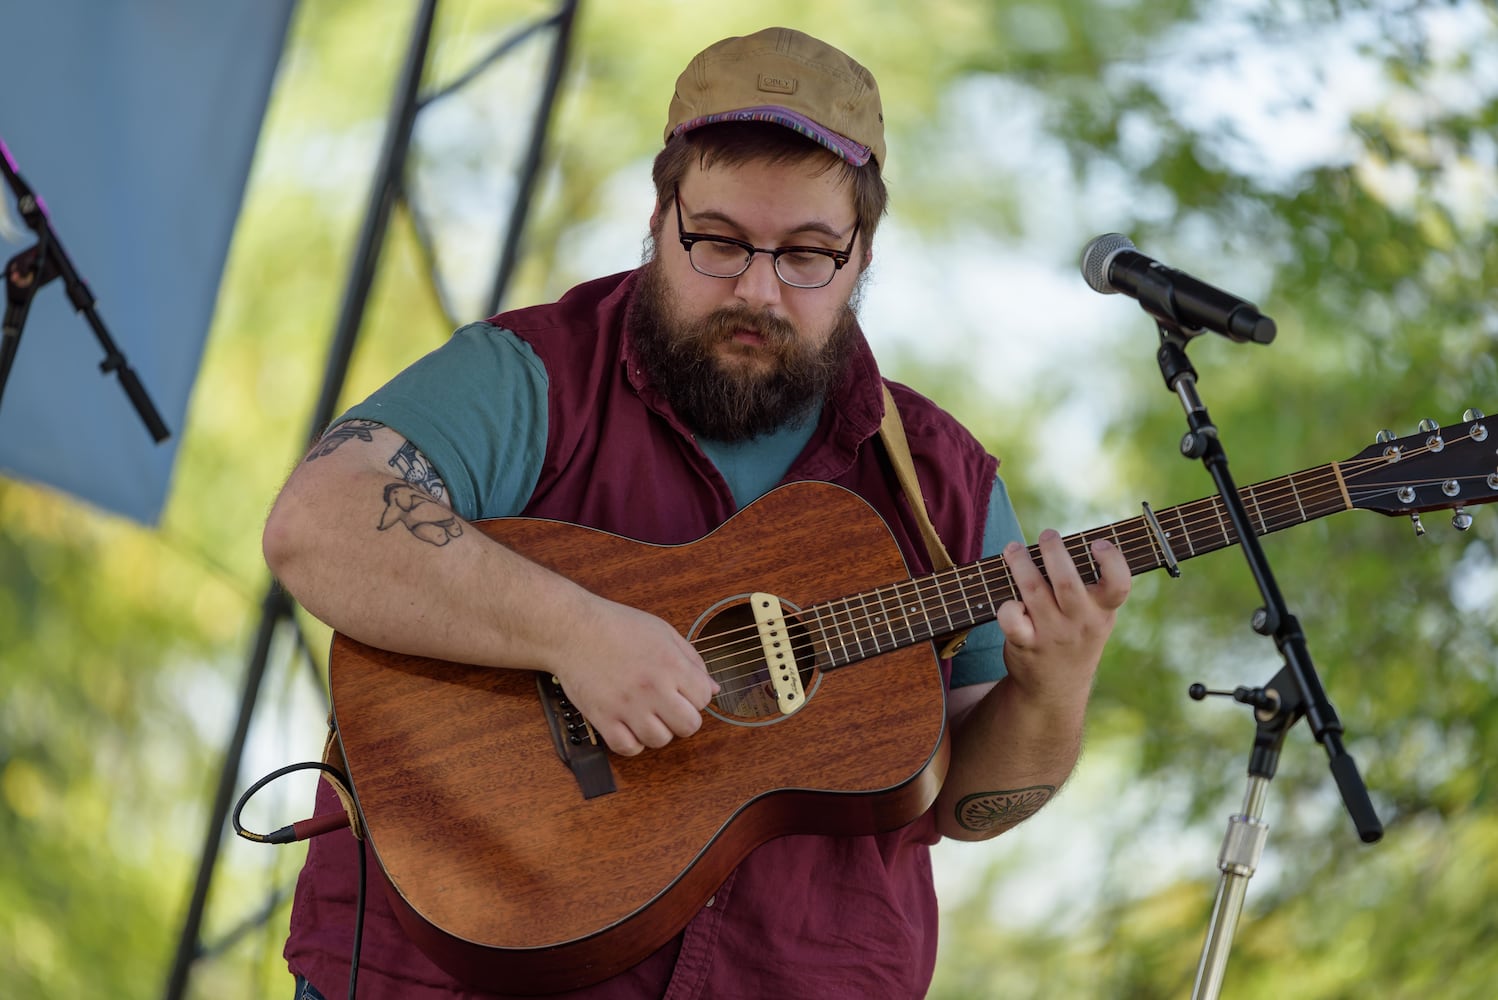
(988, 810)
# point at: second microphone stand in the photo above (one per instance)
(30, 269)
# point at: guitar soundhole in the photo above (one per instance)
(729, 642)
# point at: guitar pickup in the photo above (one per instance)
(780, 660)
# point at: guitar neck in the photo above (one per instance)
(929, 607)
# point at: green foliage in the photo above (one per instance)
(1380, 271)
(1365, 229)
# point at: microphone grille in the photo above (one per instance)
(1096, 257)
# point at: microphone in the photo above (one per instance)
(1111, 263)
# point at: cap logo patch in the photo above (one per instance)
(777, 84)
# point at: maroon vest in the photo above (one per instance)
(830, 917)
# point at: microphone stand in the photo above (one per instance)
(30, 269)
(1293, 692)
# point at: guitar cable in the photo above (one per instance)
(305, 829)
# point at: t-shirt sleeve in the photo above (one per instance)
(982, 658)
(476, 408)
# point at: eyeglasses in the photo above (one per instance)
(724, 257)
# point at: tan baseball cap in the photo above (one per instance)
(787, 77)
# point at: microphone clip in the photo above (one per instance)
(25, 274)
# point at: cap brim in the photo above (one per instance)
(855, 153)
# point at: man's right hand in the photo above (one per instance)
(385, 560)
(636, 680)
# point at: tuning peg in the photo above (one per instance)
(1478, 430)
(1392, 452)
(1434, 442)
(1419, 528)
(1461, 520)
(1472, 413)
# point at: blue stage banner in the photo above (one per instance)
(135, 122)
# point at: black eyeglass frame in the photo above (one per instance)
(839, 257)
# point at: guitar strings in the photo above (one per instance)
(938, 583)
(1265, 507)
(1137, 541)
(1270, 501)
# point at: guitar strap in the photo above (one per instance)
(892, 433)
(332, 755)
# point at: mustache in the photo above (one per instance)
(722, 324)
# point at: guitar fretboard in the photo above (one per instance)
(862, 625)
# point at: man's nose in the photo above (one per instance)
(759, 285)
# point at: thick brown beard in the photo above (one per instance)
(724, 402)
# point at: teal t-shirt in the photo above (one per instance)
(476, 408)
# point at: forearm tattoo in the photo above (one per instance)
(423, 516)
(353, 430)
(984, 811)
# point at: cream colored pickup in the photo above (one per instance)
(779, 659)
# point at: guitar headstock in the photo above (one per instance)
(1437, 468)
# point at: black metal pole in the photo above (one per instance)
(510, 251)
(276, 606)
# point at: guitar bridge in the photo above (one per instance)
(576, 743)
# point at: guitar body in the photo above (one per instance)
(509, 877)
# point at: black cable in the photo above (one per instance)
(290, 834)
(353, 967)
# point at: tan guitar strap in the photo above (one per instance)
(332, 755)
(892, 433)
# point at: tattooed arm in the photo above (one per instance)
(363, 538)
(1016, 741)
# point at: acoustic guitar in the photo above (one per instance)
(522, 856)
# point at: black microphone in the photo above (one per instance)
(1111, 263)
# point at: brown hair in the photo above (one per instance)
(735, 143)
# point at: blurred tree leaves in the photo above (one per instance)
(1336, 162)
